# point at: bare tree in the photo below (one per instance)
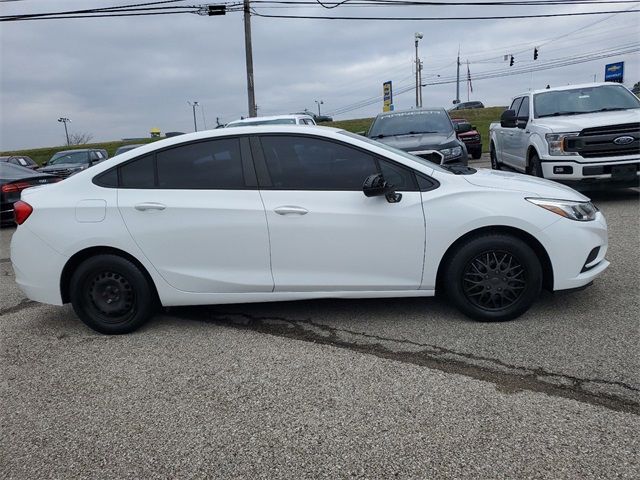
(79, 138)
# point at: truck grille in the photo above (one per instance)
(609, 141)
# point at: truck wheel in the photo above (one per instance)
(495, 165)
(535, 168)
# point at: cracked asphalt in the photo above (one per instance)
(402, 388)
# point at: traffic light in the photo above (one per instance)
(511, 62)
(535, 53)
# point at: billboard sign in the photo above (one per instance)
(387, 96)
(614, 72)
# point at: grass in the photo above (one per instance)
(481, 118)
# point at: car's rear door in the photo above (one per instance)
(326, 235)
(195, 212)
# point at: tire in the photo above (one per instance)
(495, 165)
(493, 277)
(111, 295)
(535, 168)
(476, 154)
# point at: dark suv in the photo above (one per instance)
(426, 132)
(469, 135)
(66, 163)
(467, 106)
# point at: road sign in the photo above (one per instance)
(614, 72)
(387, 95)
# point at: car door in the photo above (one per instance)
(507, 138)
(520, 136)
(325, 234)
(195, 212)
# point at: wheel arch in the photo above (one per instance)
(530, 240)
(79, 257)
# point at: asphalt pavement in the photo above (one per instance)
(404, 388)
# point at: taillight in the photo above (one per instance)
(21, 211)
(15, 187)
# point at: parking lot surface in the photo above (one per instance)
(332, 388)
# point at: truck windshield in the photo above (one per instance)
(412, 122)
(577, 101)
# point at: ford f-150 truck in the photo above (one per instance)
(586, 136)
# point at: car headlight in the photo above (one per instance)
(451, 152)
(580, 211)
(556, 143)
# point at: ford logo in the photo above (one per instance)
(626, 140)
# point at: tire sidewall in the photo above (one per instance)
(144, 295)
(474, 247)
(494, 159)
(535, 166)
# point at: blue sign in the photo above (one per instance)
(614, 72)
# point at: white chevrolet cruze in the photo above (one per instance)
(257, 214)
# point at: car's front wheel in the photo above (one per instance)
(493, 277)
(111, 294)
(495, 165)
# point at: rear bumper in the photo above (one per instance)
(37, 266)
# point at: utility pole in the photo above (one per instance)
(65, 120)
(420, 81)
(249, 56)
(458, 79)
(319, 102)
(417, 36)
(194, 105)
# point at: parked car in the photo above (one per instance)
(316, 118)
(273, 120)
(469, 135)
(587, 136)
(13, 180)
(126, 148)
(282, 212)
(70, 162)
(20, 160)
(466, 106)
(427, 133)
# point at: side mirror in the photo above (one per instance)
(473, 127)
(508, 119)
(456, 127)
(375, 185)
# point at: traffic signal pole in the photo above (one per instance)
(249, 58)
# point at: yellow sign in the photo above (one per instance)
(387, 96)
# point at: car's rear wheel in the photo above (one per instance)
(493, 277)
(495, 165)
(476, 154)
(111, 295)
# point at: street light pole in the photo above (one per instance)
(417, 37)
(64, 121)
(249, 60)
(194, 105)
(319, 102)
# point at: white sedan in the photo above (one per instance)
(270, 213)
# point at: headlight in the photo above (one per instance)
(556, 143)
(451, 152)
(580, 211)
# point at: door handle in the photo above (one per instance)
(290, 210)
(149, 206)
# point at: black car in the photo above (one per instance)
(316, 118)
(68, 162)
(467, 106)
(426, 132)
(14, 179)
(20, 160)
(126, 148)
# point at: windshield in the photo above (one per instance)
(278, 121)
(583, 100)
(406, 123)
(397, 151)
(69, 157)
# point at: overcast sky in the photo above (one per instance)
(119, 77)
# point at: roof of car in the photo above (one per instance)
(411, 110)
(567, 87)
(77, 150)
(293, 116)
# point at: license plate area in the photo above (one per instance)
(623, 172)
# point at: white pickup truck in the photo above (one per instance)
(587, 136)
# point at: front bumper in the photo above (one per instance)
(569, 244)
(604, 173)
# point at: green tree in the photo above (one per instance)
(636, 88)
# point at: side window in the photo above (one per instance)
(523, 113)
(515, 106)
(400, 177)
(305, 163)
(137, 174)
(214, 164)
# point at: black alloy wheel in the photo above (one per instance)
(535, 167)
(111, 294)
(495, 165)
(493, 277)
